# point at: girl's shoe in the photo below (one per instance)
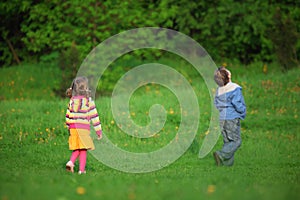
(80, 172)
(70, 167)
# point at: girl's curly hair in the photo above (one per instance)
(79, 87)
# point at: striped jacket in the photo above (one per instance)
(81, 112)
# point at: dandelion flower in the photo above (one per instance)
(265, 69)
(211, 189)
(80, 190)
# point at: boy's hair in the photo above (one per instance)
(79, 87)
(221, 76)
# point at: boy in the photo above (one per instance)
(230, 102)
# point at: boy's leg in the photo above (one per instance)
(232, 140)
(229, 162)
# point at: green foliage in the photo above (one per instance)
(69, 63)
(50, 59)
(133, 59)
(235, 30)
(283, 35)
(12, 14)
(227, 29)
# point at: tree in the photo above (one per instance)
(227, 29)
(12, 14)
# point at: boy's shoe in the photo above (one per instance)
(70, 166)
(80, 172)
(217, 159)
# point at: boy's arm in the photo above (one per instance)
(238, 102)
(215, 99)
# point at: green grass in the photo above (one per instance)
(34, 149)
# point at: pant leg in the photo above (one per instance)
(232, 140)
(228, 162)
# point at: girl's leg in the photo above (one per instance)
(82, 159)
(70, 164)
(74, 155)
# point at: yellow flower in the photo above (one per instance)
(211, 189)
(80, 190)
(147, 88)
(265, 68)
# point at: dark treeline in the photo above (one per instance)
(245, 31)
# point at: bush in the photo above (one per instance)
(284, 36)
(69, 62)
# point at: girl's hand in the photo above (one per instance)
(99, 135)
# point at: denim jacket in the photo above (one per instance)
(230, 102)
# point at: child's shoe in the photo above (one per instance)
(70, 166)
(80, 172)
(217, 159)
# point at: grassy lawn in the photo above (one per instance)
(34, 148)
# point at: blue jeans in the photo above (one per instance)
(231, 131)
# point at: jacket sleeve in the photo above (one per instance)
(215, 99)
(94, 117)
(238, 102)
(68, 116)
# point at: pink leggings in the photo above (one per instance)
(82, 158)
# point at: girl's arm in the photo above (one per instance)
(68, 117)
(93, 114)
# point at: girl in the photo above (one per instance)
(81, 111)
